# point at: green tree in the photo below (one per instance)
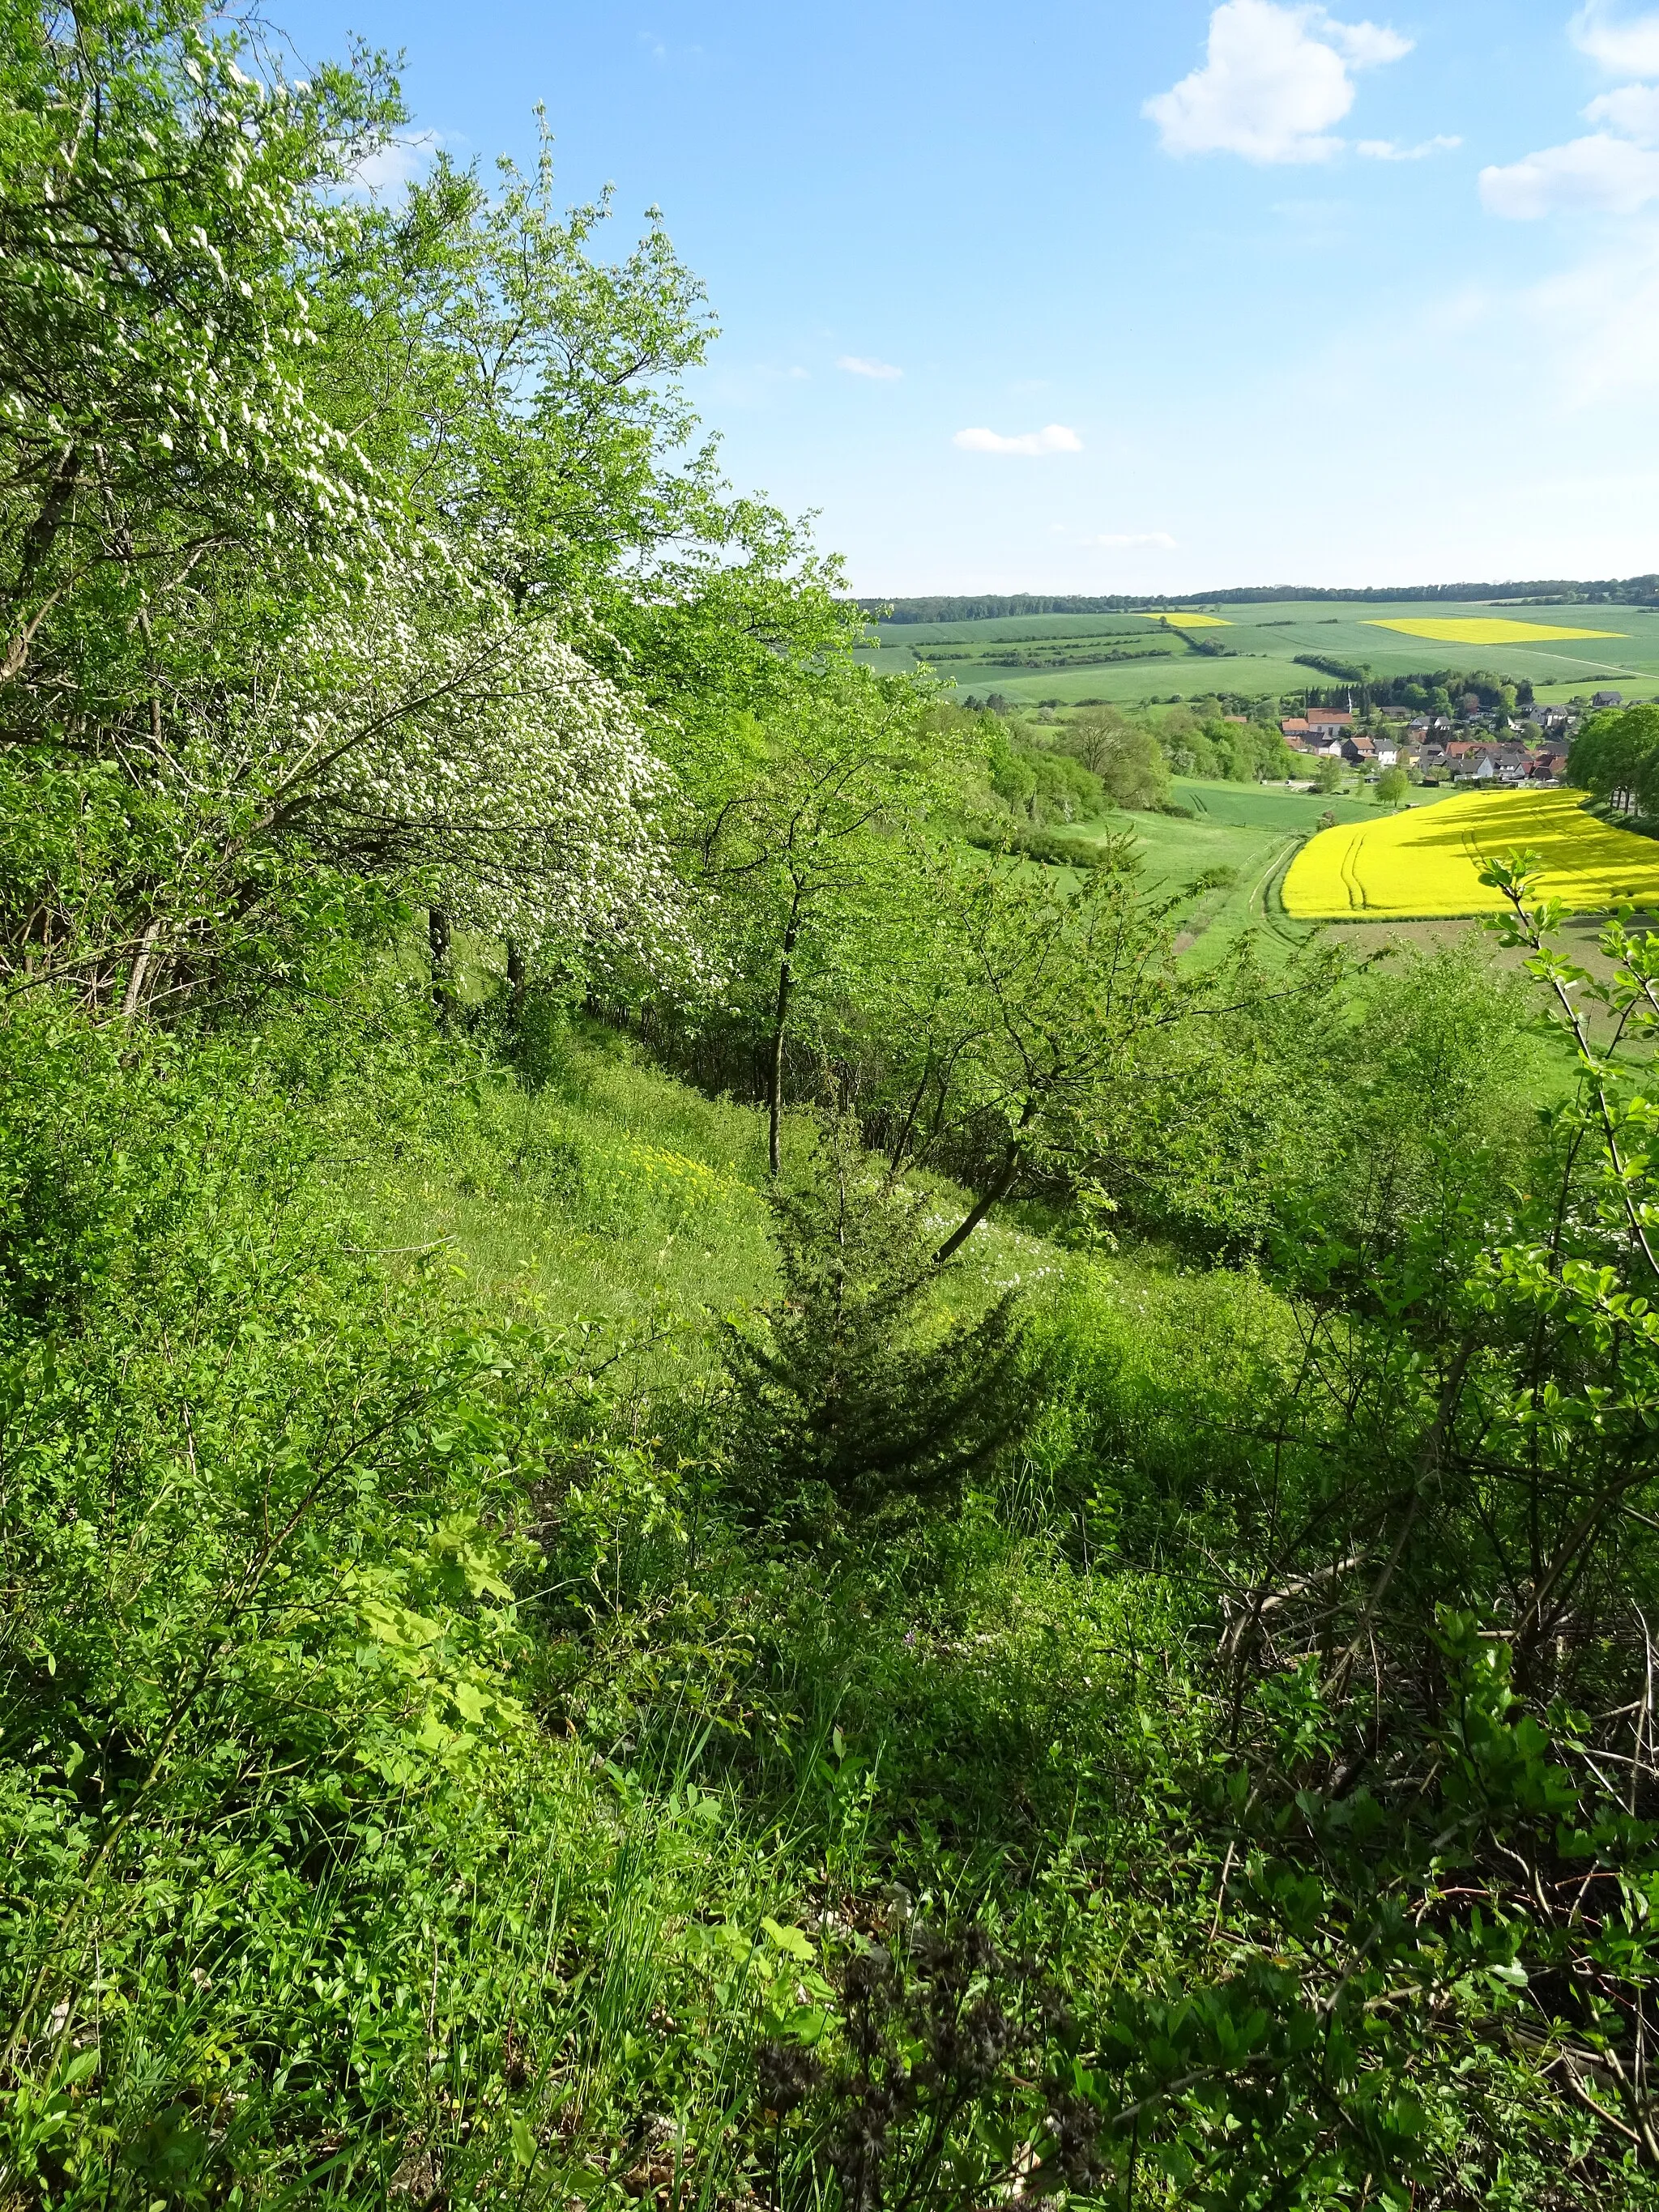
(526, 397)
(307, 577)
(1615, 756)
(159, 207)
(1049, 1039)
(1125, 756)
(1392, 785)
(857, 1385)
(802, 854)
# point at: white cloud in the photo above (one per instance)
(1274, 81)
(1633, 111)
(1055, 439)
(1150, 541)
(1600, 174)
(1629, 47)
(1385, 149)
(391, 168)
(859, 365)
(1364, 45)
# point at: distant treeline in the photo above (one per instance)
(1434, 690)
(1631, 591)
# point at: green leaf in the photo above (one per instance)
(790, 1939)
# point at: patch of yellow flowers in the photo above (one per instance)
(1427, 862)
(1495, 630)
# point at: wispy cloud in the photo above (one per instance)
(391, 168)
(1274, 81)
(1385, 149)
(1054, 438)
(1146, 541)
(860, 365)
(1633, 111)
(1614, 169)
(1598, 322)
(1626, 45)
(657, 49)
(1600, 174)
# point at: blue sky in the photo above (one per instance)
(1093, 298)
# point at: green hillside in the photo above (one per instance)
(753, 1457)
(1260, 645)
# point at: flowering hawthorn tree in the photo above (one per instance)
(448, 741)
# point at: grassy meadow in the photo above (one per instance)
(1261, 643)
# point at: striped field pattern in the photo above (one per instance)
(1425, 862)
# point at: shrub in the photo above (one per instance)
(856, 1394)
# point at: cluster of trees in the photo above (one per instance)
(1063, 768)
(1202, 742)
(349, 547)
(992, 607)
(1630, 590)
(1439, 692)
(1615, 755)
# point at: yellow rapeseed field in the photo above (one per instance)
(1186, 620)
(1479, 630)
(1426, 860)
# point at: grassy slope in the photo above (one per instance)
(721, 1738)
(1266, 639)
(618, 1199)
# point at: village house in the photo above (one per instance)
(1301, 737)
(1609, 699)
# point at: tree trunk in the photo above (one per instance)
(37, 550)
(775, 1086)
(1001, 1185)
(134, 992)
(517, 975)
(779, 1022)
(437, 933)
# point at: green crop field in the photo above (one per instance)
(1125, 658)
(1255, 830)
